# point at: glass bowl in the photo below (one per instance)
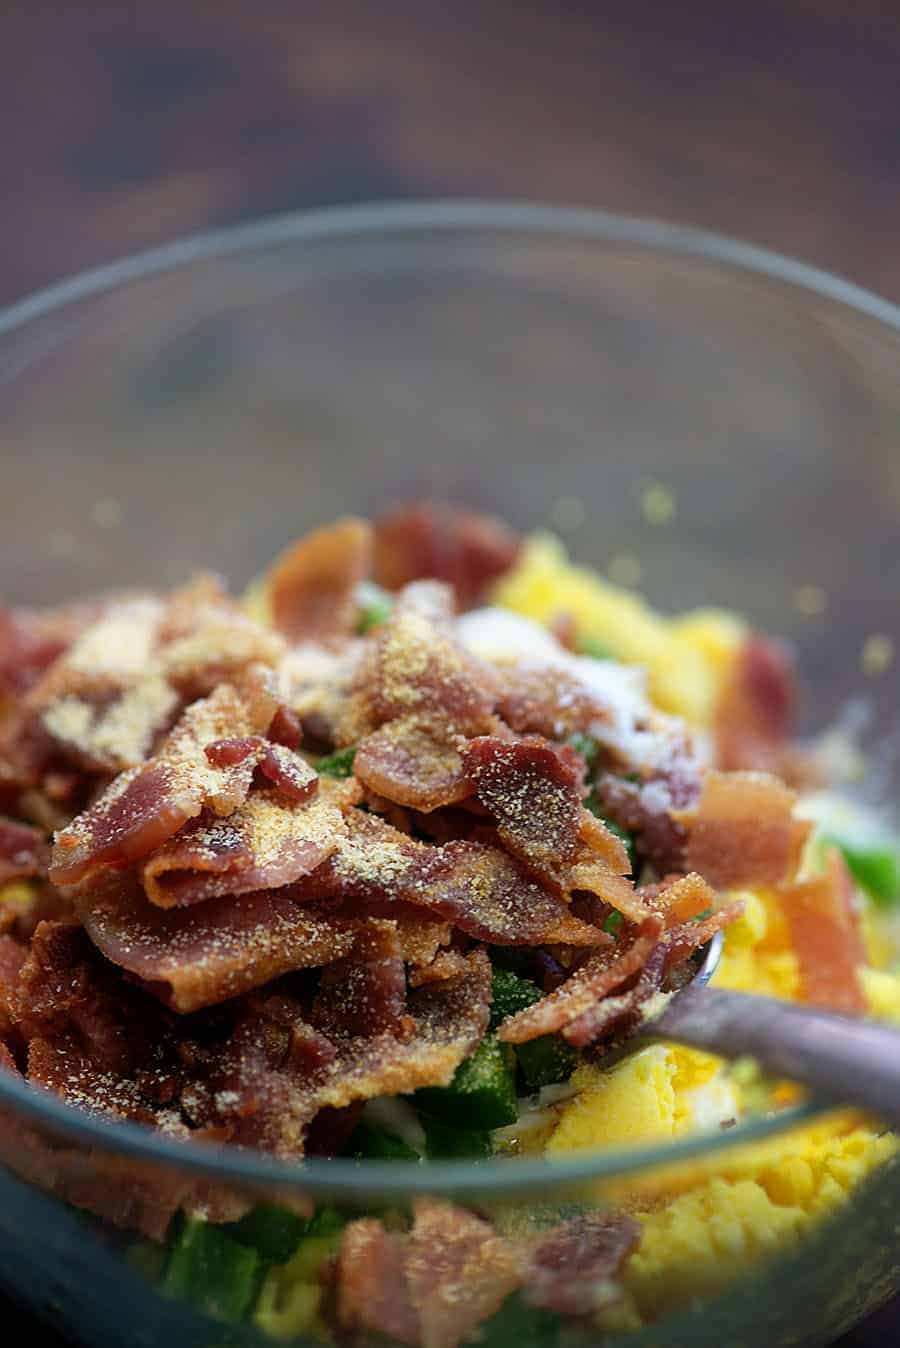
(203, 404)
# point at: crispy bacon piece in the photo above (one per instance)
(145, 806)
(289, 772)
(620, 1013)
(365, 993)
(478, 888)
(533, 791)
(546, 701)
(266, 843)
(446, 1277)
(427, 540)
(372, 1290)
(684, 939)
(23, 851)
(459, 1271)
(199, 956)
(572, 1270)
(744, 832)
(602, 973)
(645, 809)
(32, 639)
(825, 934)
(312, 586)
(490, 896)
(444, 964)
(680, 900)
(12, 957)
(755, 713)
(413, 762)
(207, 639)
(264, 1094)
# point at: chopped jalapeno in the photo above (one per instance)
(876, 869)
(213, 1271)
(375, 608)
(511, 994)
(545, 1061)
(482, 1093)
(443, 1142)
(613, 924)
(273, 1231)
(339, 764)
(372, 1143)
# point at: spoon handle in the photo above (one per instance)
(838, 1057)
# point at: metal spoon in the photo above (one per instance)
(838, 1057)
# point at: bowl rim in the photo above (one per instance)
(340, 1177)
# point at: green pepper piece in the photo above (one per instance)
(444, 1142)
(517, 1323)
(876, 869)
(213, 1271)
(338, 764)
(273, 1231)
(375, 609)
(612, 925)
(326, 1221)
(594, 647)
(482, 1093)
(371, 1143)
(510, 994)
(546, 1061)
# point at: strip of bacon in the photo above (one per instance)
(825, 934)
(415, 762)
(601, 974)
(620, 1013)
(199, 956)
(755, 713)
(429, 540)
(312, 586)
(145, 806)
(366, 992)
(478, 888)
(546, 701)
(459, 1271)
(533, 791)
(744, 832)
(23, 851)
(572, 1270)
(12, 957)
(372, 1291)
(266, 843)
(446, 1277)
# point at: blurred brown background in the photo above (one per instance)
(126, 125)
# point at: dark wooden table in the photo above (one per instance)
(125, 126)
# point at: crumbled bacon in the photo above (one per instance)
(825, 933)
(446, 1277)
(546, 701)
(198, 956)
(572, 1270)
(289, 772)
(478, 888)
(744, 831)
(267, 842)
(23, 851)
(365, 993)
(312, 586)
(12, 956)
(146, 805)
(424, 540)
(755, 713)
(413, 762)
